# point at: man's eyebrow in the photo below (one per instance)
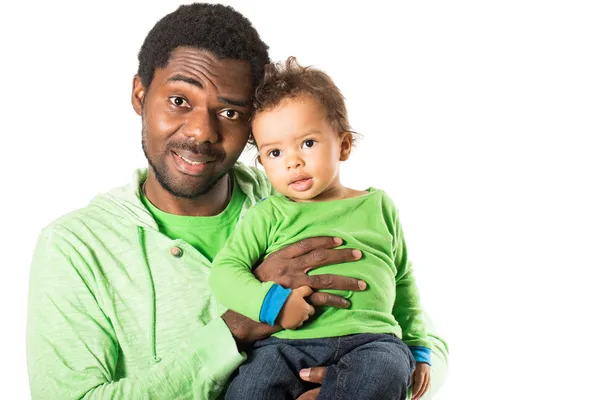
(186, 79)
(233, 102)
(220, 99)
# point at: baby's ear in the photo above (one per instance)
(345, 145)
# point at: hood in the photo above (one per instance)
(125, 203)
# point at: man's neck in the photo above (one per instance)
(211, 203)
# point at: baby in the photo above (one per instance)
(301, 130)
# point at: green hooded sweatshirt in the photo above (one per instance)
(118, 310)
(116, 313)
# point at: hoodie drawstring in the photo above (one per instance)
(153, 294)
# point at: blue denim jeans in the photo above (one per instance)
(364, 366)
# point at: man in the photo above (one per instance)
(119, 305)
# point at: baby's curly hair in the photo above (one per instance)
(289, 80)
(214, 27)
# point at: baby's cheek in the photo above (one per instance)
(278, 180)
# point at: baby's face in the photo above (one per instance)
(298, 148)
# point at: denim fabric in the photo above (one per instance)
(362, 367)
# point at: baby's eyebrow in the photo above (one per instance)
(268, 145)
(300, 137)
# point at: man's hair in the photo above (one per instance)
(216, 28)
(289, 80)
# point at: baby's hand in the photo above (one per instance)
(420, 380)
(296, 310)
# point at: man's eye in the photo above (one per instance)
(308, 144)
(178, 101)
(230, 114)
(274, 153)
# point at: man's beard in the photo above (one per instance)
(168, 183)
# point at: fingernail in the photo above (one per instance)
(337, 240)
(362, 285)
(357, 254)
(304, 373)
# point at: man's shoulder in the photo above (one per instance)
(252, 181)
(111, 209)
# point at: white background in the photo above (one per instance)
(480, 118)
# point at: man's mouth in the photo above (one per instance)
(192, 164)
(194, 159)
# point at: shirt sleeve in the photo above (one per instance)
(231, 278)
(407, 306)
(72, 348)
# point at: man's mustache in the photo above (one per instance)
(206, 149)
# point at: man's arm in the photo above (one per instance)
(72, 349)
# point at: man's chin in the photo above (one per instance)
(189, 187)
(189, 190)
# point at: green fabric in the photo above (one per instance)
(370, 223)
(206, 234)
(113, 315)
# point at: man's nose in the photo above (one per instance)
(201, 126)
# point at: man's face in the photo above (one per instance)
(194, 119)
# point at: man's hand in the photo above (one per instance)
(296, 310)
(420, 380)
(289, 267)
(314, 375)
(246, 331)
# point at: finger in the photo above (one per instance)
(305, 246)
(320, 257)
(314, 374)
(338, 282)
(426, 385)
(304, 291)
(422, 385)
(310, 395)
(416, 389)
(311, 310)
(319, 299)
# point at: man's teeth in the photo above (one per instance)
(190, 161)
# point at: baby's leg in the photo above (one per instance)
(372, 366)
(273, 367)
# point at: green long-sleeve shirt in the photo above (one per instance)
(370, 223)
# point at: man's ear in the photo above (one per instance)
(345, 145)
(137, 94)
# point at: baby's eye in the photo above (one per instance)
(307, 144)
(274, 153)
(178, 101)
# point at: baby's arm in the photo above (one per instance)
(407, 305)
(231, 277)
(407, 309)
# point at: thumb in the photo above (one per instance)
(304, 291)
(315, 374)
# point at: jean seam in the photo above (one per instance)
(339, 387)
